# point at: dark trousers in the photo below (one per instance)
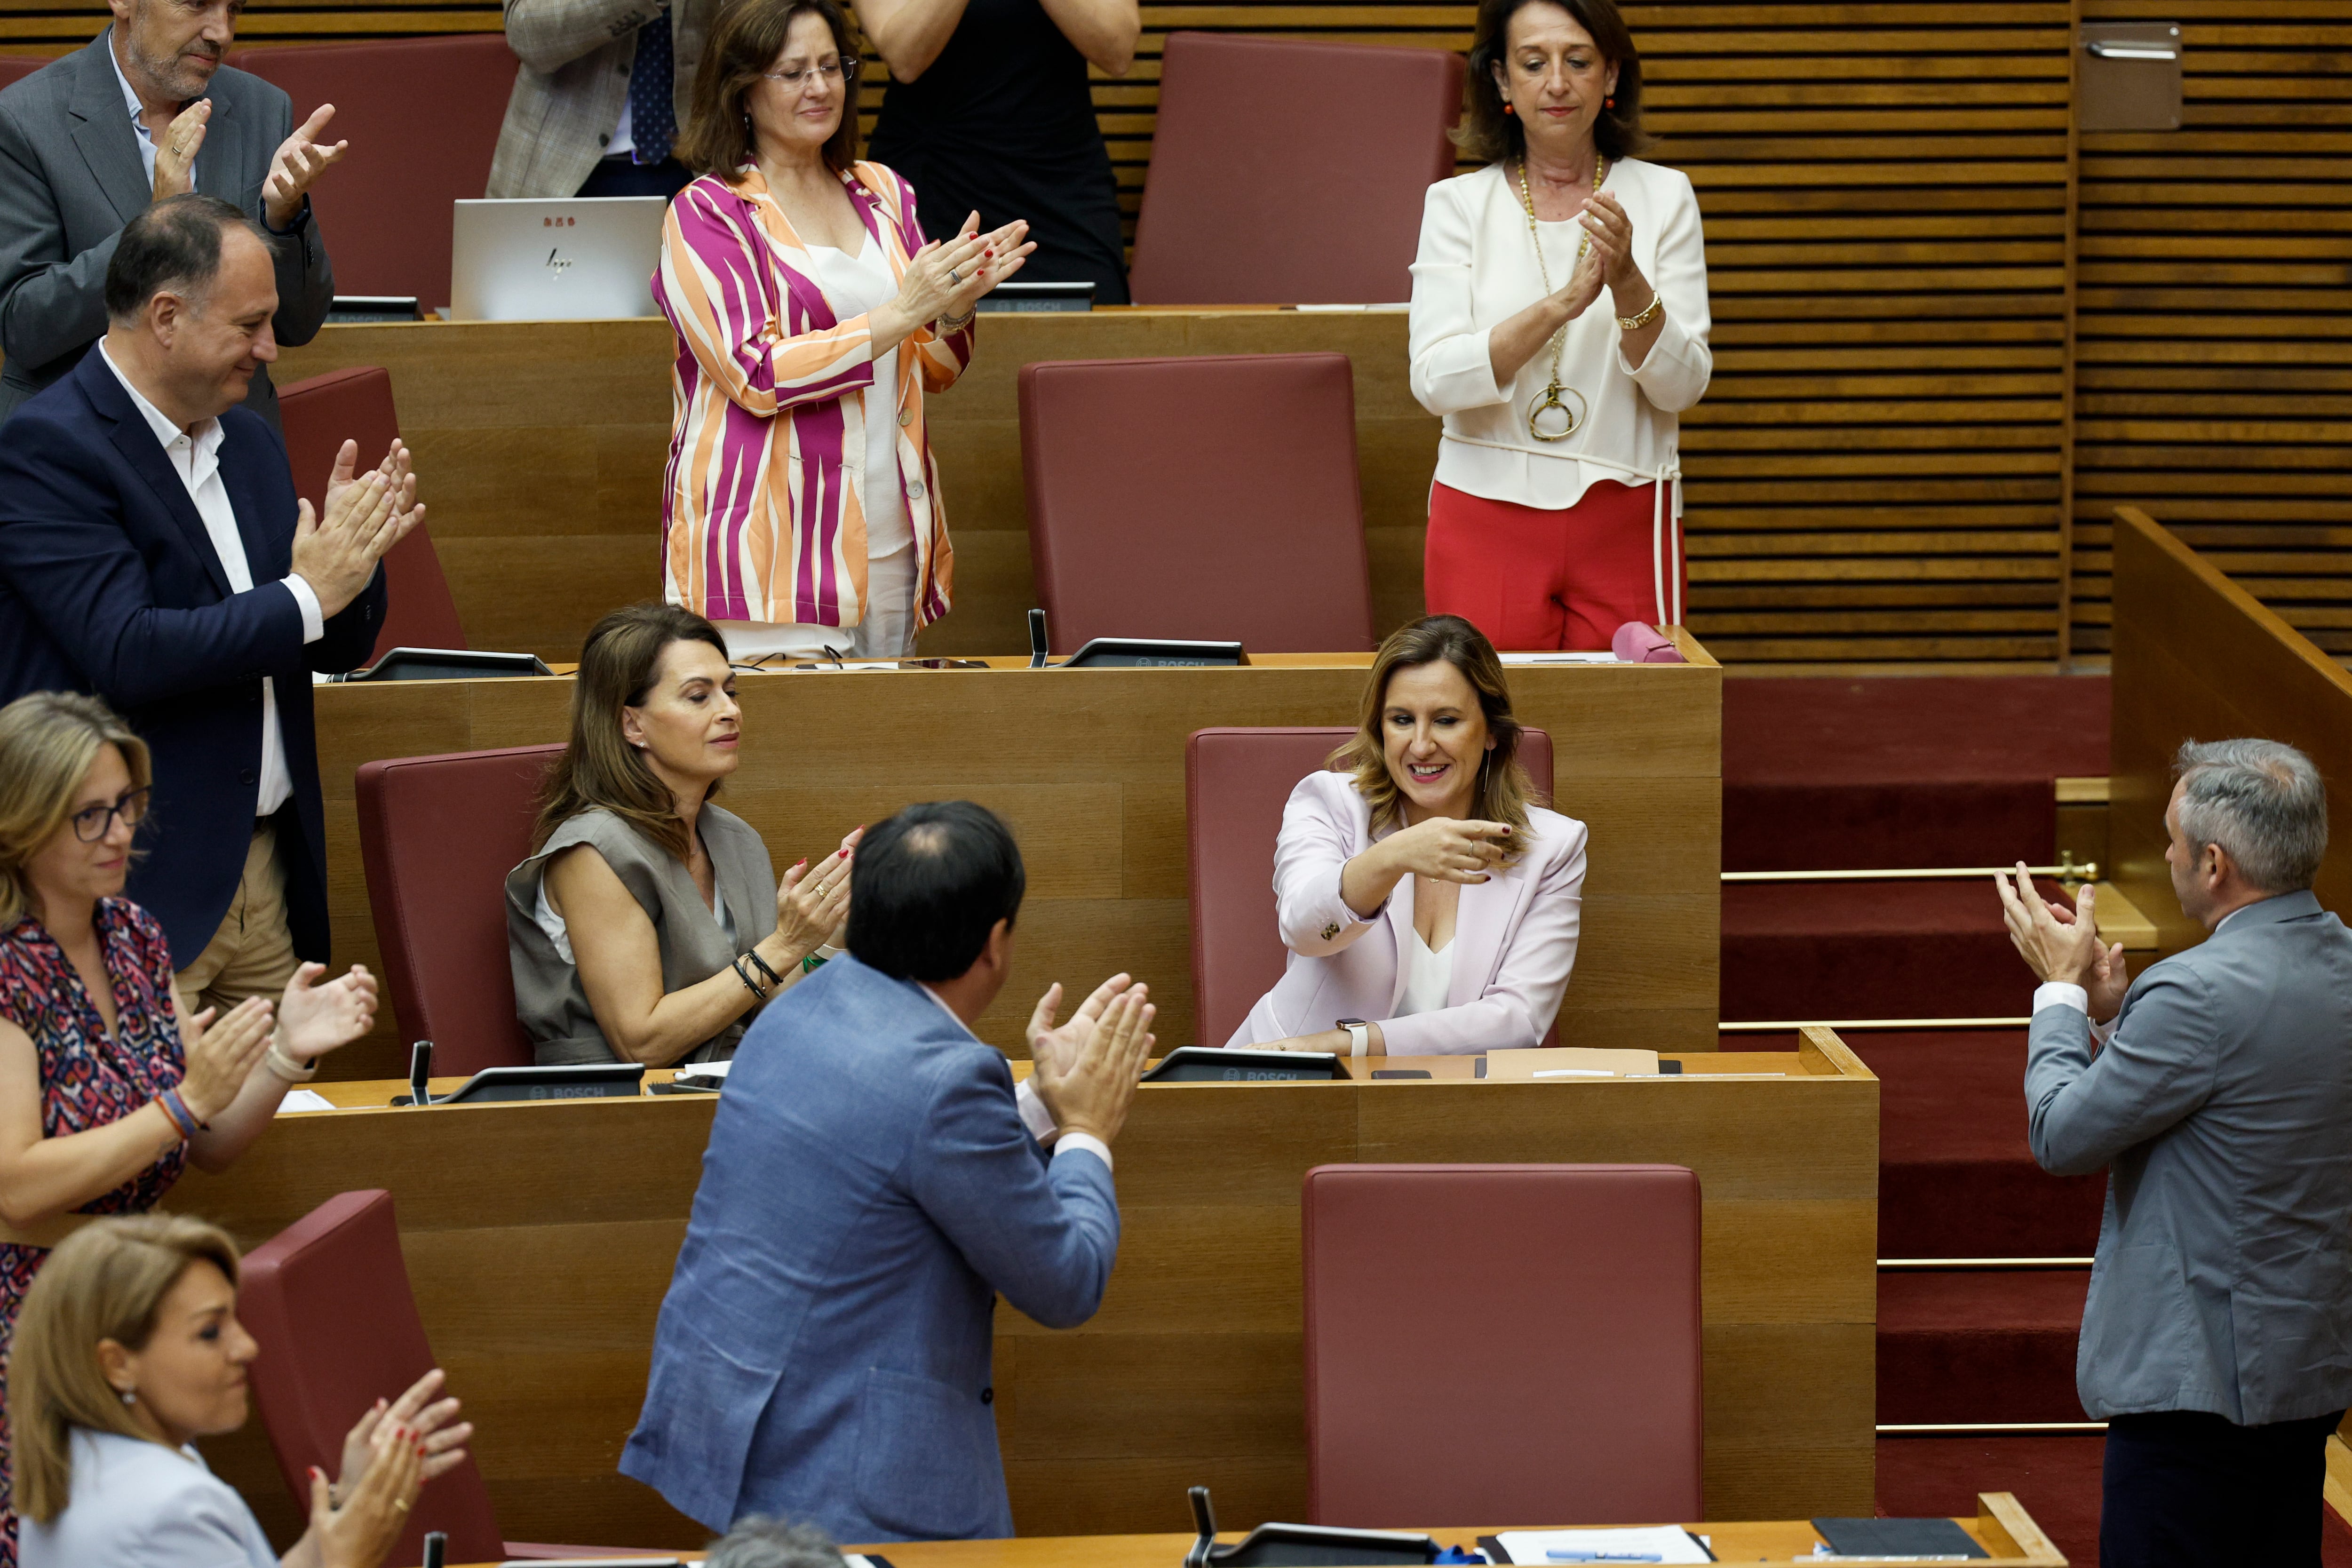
(620, 177)
(2185, 1489)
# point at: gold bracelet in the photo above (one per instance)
(958, 323)
(1649, 314)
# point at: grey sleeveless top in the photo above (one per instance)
(548, 996)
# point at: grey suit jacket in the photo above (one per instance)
(2224, 1102)
(70, 177)
(575, 78)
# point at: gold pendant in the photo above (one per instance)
(1547, 413)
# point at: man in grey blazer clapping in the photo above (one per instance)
(2217, 1338)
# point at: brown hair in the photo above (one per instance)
(1489, 135)
(743, 43)
(48, 742)
(1504, 791)
(106, 1281)
(617, 666)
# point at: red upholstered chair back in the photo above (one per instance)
(328, 1300)
(321, 413)
(1562, 1384)
(422, 116)
(438, 836)
(1359, 130)
(1235, 785)
(1214, 496)
(16, 67)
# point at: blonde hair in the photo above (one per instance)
(106, 1281)
(1504, 791)
(48, 742)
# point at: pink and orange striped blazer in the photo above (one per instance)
(761, 516)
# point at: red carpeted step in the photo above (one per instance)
(1979, 1345)
(1869, 950)
(2055, 1479)
(1902, 771)
(1956, 1178)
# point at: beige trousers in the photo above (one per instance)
(252, 955)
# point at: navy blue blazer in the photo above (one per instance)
(110, 585)
(823, 1353)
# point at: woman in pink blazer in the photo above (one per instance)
(1429, 905)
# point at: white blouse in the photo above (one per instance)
(137, 1504)
(1476, 269)
(1428, 978)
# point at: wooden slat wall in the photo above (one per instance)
(1879, 471)
(2214, 380)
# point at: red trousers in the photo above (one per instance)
(1532, 579)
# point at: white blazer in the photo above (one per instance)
(1476, 269)
(1513, 935)
(137, 1504)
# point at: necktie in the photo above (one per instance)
(653, 113)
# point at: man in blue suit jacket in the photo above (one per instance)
(873, 1180)
(2216, 1338)
(152, 551)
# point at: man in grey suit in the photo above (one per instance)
(873, 1180)
(2217, 1340)
(146, 112)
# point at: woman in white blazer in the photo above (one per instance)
(1559, 325)
(129, 1349)
(1430, 907)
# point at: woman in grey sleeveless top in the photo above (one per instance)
(647, 925)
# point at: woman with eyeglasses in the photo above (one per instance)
(107, 1087)
(800, 511)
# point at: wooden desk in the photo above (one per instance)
(2001, 1527)
(540, 1239)
(539, 448)
(1087, 766)
(2195, 657)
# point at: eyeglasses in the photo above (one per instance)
(94, 823)
(794, 79)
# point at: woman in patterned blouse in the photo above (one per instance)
(107, 1087)
(801, 510)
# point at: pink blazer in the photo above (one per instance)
(1514, 936)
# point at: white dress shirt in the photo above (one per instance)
(195, 458)
(1476, 269)
(139, 122)
(138, 1504)
(1034, 1116)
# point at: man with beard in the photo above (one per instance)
(145, 112)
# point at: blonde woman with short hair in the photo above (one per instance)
(128, 1351)
(108, 1088)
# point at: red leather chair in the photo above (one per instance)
(321, 413)
(16, 67)
(1361, 129)
(1235, 783)
(422, 116)
(1561, 1384)
(1212, 496)
(328, 1300)
(438, 836)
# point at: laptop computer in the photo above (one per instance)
(574, 258)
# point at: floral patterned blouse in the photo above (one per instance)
(86, 1078)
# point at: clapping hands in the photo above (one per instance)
(1086, 1071)
(365, 515)
(2062, 944)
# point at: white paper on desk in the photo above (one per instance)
(705, 1073)
(1667, 1542)
(304, 1099)
(1596, 656)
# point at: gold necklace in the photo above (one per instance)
(1548, 400)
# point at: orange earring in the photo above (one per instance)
(1608, 103)
(1508, 110)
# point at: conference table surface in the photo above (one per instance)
(2002, 1527)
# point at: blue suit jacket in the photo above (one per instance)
(110, 585)
(2224, 1103)
(823, 1350)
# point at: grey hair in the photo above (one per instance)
(2262, 802)
(757, 1541)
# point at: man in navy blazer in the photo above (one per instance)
(152, 551)
(872, 1182)
(2216, 1337)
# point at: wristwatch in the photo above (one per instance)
(1359, 1036)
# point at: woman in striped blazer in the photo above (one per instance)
(801, 509)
